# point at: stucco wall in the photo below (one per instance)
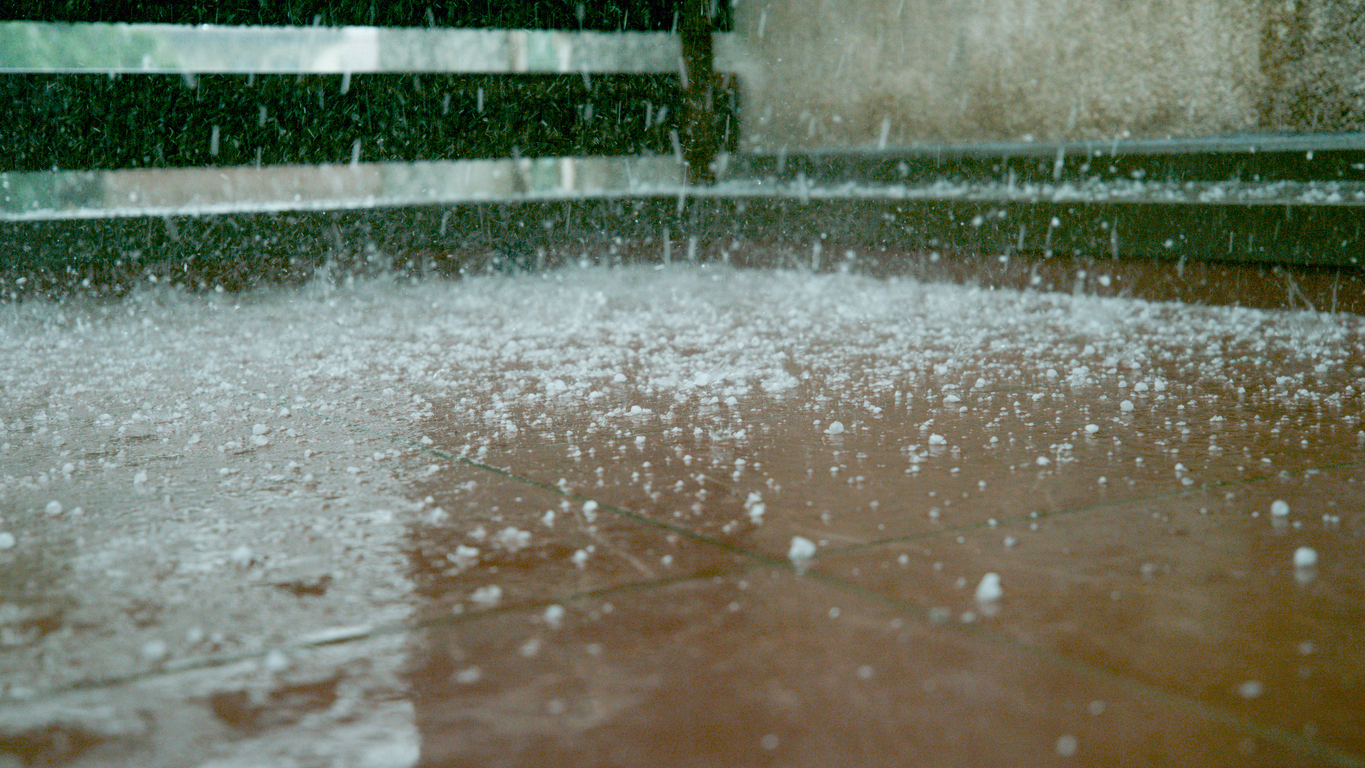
(1314, 57)
(864, 72)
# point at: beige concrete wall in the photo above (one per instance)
(860, 72)
(1314, 58)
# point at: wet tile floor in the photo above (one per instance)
(1041, 529)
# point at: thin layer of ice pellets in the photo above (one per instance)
(989, 590)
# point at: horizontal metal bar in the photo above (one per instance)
(1249, 158)
(1279, 193)
(170, 48)
(215, 191)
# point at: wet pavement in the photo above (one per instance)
(560, 518)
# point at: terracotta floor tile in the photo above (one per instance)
(1197, 595)
(772, 669)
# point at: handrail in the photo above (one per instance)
(28, 47)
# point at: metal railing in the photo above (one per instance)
(194, 51)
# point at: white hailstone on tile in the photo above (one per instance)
(468, 676)
(835, 428)
(936, 439)
(512, 539)
(7, 540)
(554, 616)
(580, 558)
(53, 508)
(155, 651)
(548, 519)
(1126, 406)
(1066, 745)
(801, 552)
(1091, 429)
(487, 597)
(241, 556)
(755, 507)
(1279, 508)
(1305, 557)
(1251, 689)
(260, 429)
(989, 590)
(590, 511)
(463, 557)
(276, 661)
